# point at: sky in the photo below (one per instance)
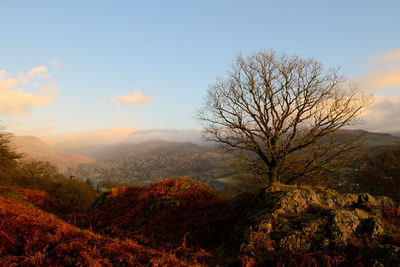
(124, 66)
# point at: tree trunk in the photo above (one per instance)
(274, 171)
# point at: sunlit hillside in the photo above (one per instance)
(34, 148)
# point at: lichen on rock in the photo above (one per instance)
(300, 220)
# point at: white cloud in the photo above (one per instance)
(17, 101)
(385, 78)
(50, 90)
(35, 131)
(92, 137)
(385, 59)
(7, 83)
(55, 64)
(116, 135)
(384, 72)
(40, 72)
(383, 115)
(134, 99)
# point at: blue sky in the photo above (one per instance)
(168, 52)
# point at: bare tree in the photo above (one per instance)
(282, 113)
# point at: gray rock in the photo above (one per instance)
(297, 202)
(345, 200)
(344, 224)
(298, 220)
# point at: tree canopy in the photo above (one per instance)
(282, 114)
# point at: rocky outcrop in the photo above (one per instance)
(287, 219)
(343, 224)
(297, 201)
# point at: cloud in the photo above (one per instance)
(383, 73)
(16, 101)
(383, 79)
(386, 78)
(35, 131)
(50, 90)
(383, 116)
(6, 82)
(91, 137)
(385, 59)
(188, 135)
(55, 64)
(40, 72)
(134, 99)
(118, 135)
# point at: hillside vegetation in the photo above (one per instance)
(32, 237)
(164, 214)
(181, 222)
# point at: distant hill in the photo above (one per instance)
(100, 146)
(378, 139)
(98, 143)
(155, 160)
(97, 152)
(395, 134)
(34, 148)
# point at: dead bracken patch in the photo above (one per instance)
(164, 214)
(31, 237)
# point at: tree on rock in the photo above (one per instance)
(283, 114)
